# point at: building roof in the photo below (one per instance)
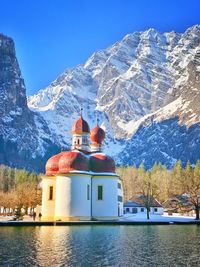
(97, 135)
(80, 126)
(68, 161)
(177, 202)
(52, 164)
(100, 162)
(138, 201)
(79, 160)
(132, 204)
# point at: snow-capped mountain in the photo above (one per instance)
(141, 81)
(144, 89)
(25, 138)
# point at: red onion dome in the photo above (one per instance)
(101, 163)
(97, 135)
(52, 164)
(73, 160)
(80, 126)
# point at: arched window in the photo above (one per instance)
(78, 141)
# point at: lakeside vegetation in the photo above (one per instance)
(21, 189)
(163, 184)
(18, 189)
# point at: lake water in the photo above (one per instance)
(172, 245)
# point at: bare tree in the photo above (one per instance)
(149, 190)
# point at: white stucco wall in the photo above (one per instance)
(108, 207)
(120, 193)
(159, 211)
(71, 196)
(48, 206)
(81, 141)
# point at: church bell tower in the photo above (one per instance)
(80, 135)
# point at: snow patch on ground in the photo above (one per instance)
(142, 217)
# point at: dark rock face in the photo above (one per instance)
(164, 142)
(21, 130)
(12, 88)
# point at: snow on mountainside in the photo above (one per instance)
(24, 136)
(145, 90)
(145, 78)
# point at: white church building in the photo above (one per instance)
(82, 184)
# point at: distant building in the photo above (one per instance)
(179, 204)
(135, 205)
(82, 184)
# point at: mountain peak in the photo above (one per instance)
(143, 88)
(151, 31)
(4, 37)
(194, 28)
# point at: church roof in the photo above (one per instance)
(67, 161)
(82, 160)
(138, 201)
(100, 162)
(52, 164)
(70, 161)
(73, 160)
(80, 126)
(97, 135)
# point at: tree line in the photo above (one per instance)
(18, 189)
(161, 183)
(21, 189)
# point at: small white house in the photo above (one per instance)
(136, 205)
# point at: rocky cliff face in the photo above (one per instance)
(24, 135)
(147, 78)
(144, 89)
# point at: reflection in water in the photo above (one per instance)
(100, 246)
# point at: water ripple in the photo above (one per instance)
(99, 246)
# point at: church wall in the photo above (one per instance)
(108, 207)
(63, 196)
(48, 206)
(80, 141)
(120, 198)
(71, 197)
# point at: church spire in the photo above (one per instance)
(81, 112)
(80, 134)
(97, 121)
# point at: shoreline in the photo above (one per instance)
(73, 223)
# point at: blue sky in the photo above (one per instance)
(52, 35)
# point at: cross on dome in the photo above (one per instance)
(81, 111)
(81, 125)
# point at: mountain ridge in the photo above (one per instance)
(147, 70)
(145, 82)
